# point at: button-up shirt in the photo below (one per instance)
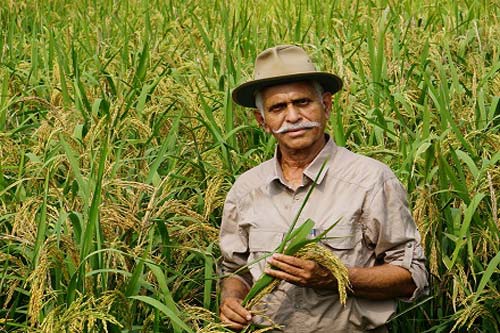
(374, 226)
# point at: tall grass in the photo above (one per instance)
(119, 141)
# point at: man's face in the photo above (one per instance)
(295, 114)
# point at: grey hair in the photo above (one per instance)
(259, 103)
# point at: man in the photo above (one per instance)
(375, 237)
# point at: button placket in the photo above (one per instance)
(297, 197)
(298, 299)
(296, 202)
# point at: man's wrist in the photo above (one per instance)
(233, 288)
(232, 294)
(328, 280)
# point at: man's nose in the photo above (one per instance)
(293, 113)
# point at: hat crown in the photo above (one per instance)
(283, 64)
(282, 60)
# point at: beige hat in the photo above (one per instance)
(282, 64)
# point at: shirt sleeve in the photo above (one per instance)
(394, 233)
(233, 242)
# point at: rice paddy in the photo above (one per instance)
(119, 142)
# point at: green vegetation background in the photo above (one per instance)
(119, 141)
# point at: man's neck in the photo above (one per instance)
(294, 162)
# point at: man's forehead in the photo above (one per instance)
(302, 88)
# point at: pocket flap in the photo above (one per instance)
(342, 237)
(264, 240)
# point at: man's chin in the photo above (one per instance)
(300, 142)
(296, 144)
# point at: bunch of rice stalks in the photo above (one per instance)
(82, 315)
(325, 258)
(206, 321)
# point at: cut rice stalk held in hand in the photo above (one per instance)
(330, 261)
(325, 258)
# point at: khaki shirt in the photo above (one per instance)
(375, 227)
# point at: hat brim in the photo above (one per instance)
(244, 94)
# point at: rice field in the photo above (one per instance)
(119, 142)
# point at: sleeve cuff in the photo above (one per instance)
(419, 278)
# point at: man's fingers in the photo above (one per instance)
(289, 260)
(230, 324)
(293, 265)
(282, 275)
(295, 270)
(233, 314)
(286, 267)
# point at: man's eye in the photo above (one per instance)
(302, 102)
(277, 107)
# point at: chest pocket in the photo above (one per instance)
(264, 240)
(342, 240)
(260, 244)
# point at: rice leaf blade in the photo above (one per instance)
(165, 310)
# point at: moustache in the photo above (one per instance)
(294, 127)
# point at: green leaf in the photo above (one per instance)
(73, 161)
(133, 285)
(461, 238)
(300, 238)
(165, 292)
(488, 273)
(209, 270)
(165, 309)
(257, 287)
(281, 247)
(469, 162)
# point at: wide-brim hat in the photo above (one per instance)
(283, 64)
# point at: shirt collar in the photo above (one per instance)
(276, 172)
(312, 169)
(323, 157)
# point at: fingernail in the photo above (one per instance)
(249, 317)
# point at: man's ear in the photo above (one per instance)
(327, 102)
(260, 119)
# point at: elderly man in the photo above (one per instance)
(375, 237)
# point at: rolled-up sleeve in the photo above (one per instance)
(233, 242)
(395, 235)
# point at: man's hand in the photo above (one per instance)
(305, 273)
(232, 313)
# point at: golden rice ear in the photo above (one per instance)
(330, 261)
(325, 258)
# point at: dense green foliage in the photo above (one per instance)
(118, 142)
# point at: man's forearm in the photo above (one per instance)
(381, 282)
(233, 287)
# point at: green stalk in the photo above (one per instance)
(42, 224)
(293, 240)
(287, 237)
(92, 235)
